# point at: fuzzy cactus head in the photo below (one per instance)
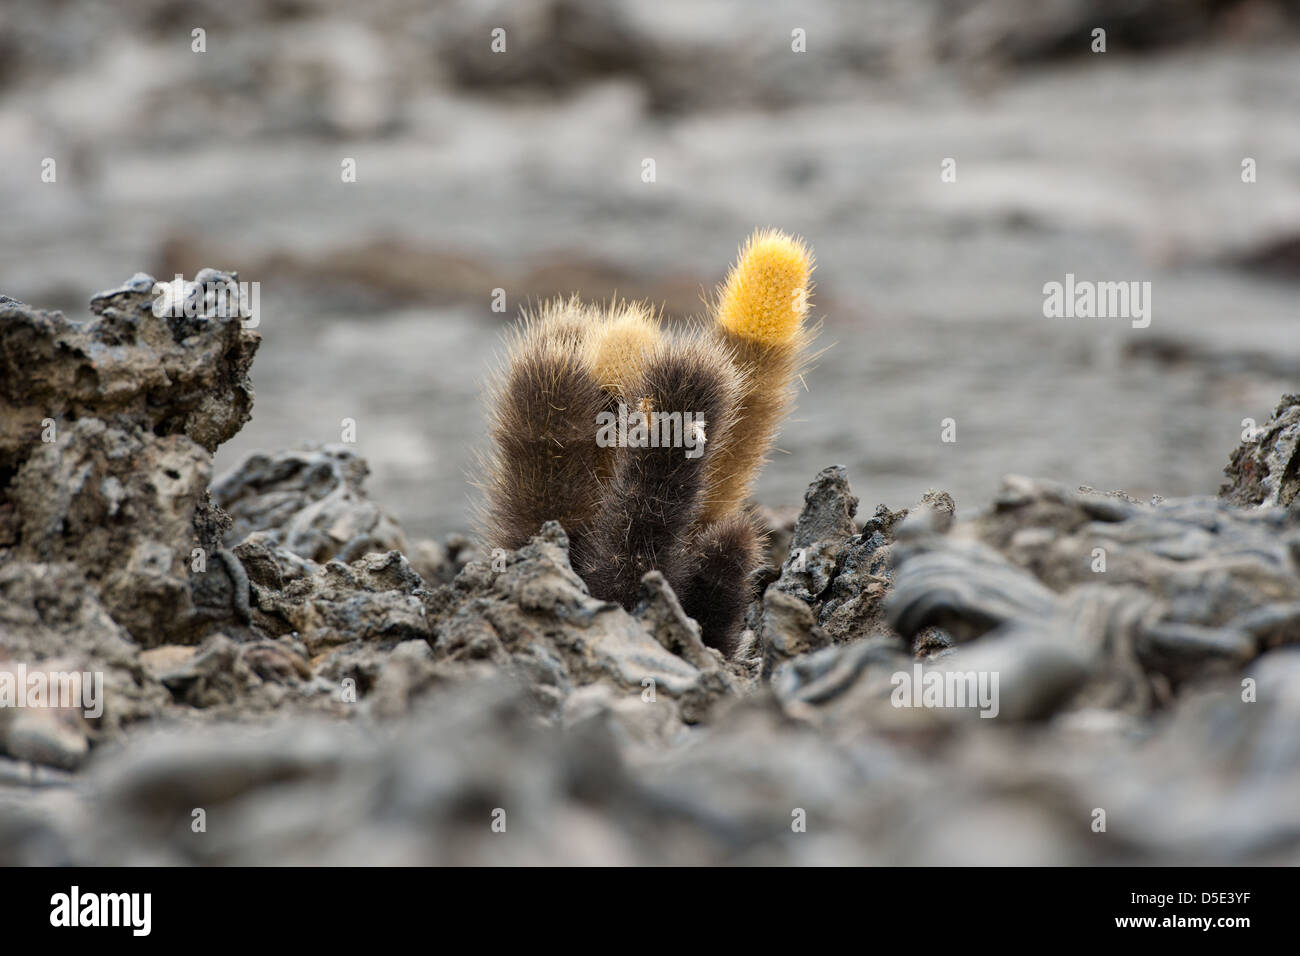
(765, 297)
(760, 314)
(619, 345)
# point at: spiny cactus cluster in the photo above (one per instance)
(677, 505)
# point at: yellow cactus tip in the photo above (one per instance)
(765, 297)
(623, 343)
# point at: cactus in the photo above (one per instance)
(760, 314)
(699, 409)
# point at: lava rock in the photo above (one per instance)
(1265, 468)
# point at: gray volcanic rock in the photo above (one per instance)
(534, 618)
(108, 429)
(287, 680)
(310, 500)
(788, 630)
(853, 605)
(1158, 595)
(376, 598)
(841, 573)
(1265, 469)
(167, 375)
(50, 612)
(123, 511)
(820, 534)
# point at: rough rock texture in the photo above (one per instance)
(841, 572)
(107, 431)
(174, 375)
(309, 501)
(1153, 595)
(820, 534)
(1265, 469)
(49, 612)
(276, 654)
(535, 618)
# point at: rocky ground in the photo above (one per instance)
(278, 655)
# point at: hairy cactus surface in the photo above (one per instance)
(644, 442)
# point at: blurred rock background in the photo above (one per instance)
(522, 171)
